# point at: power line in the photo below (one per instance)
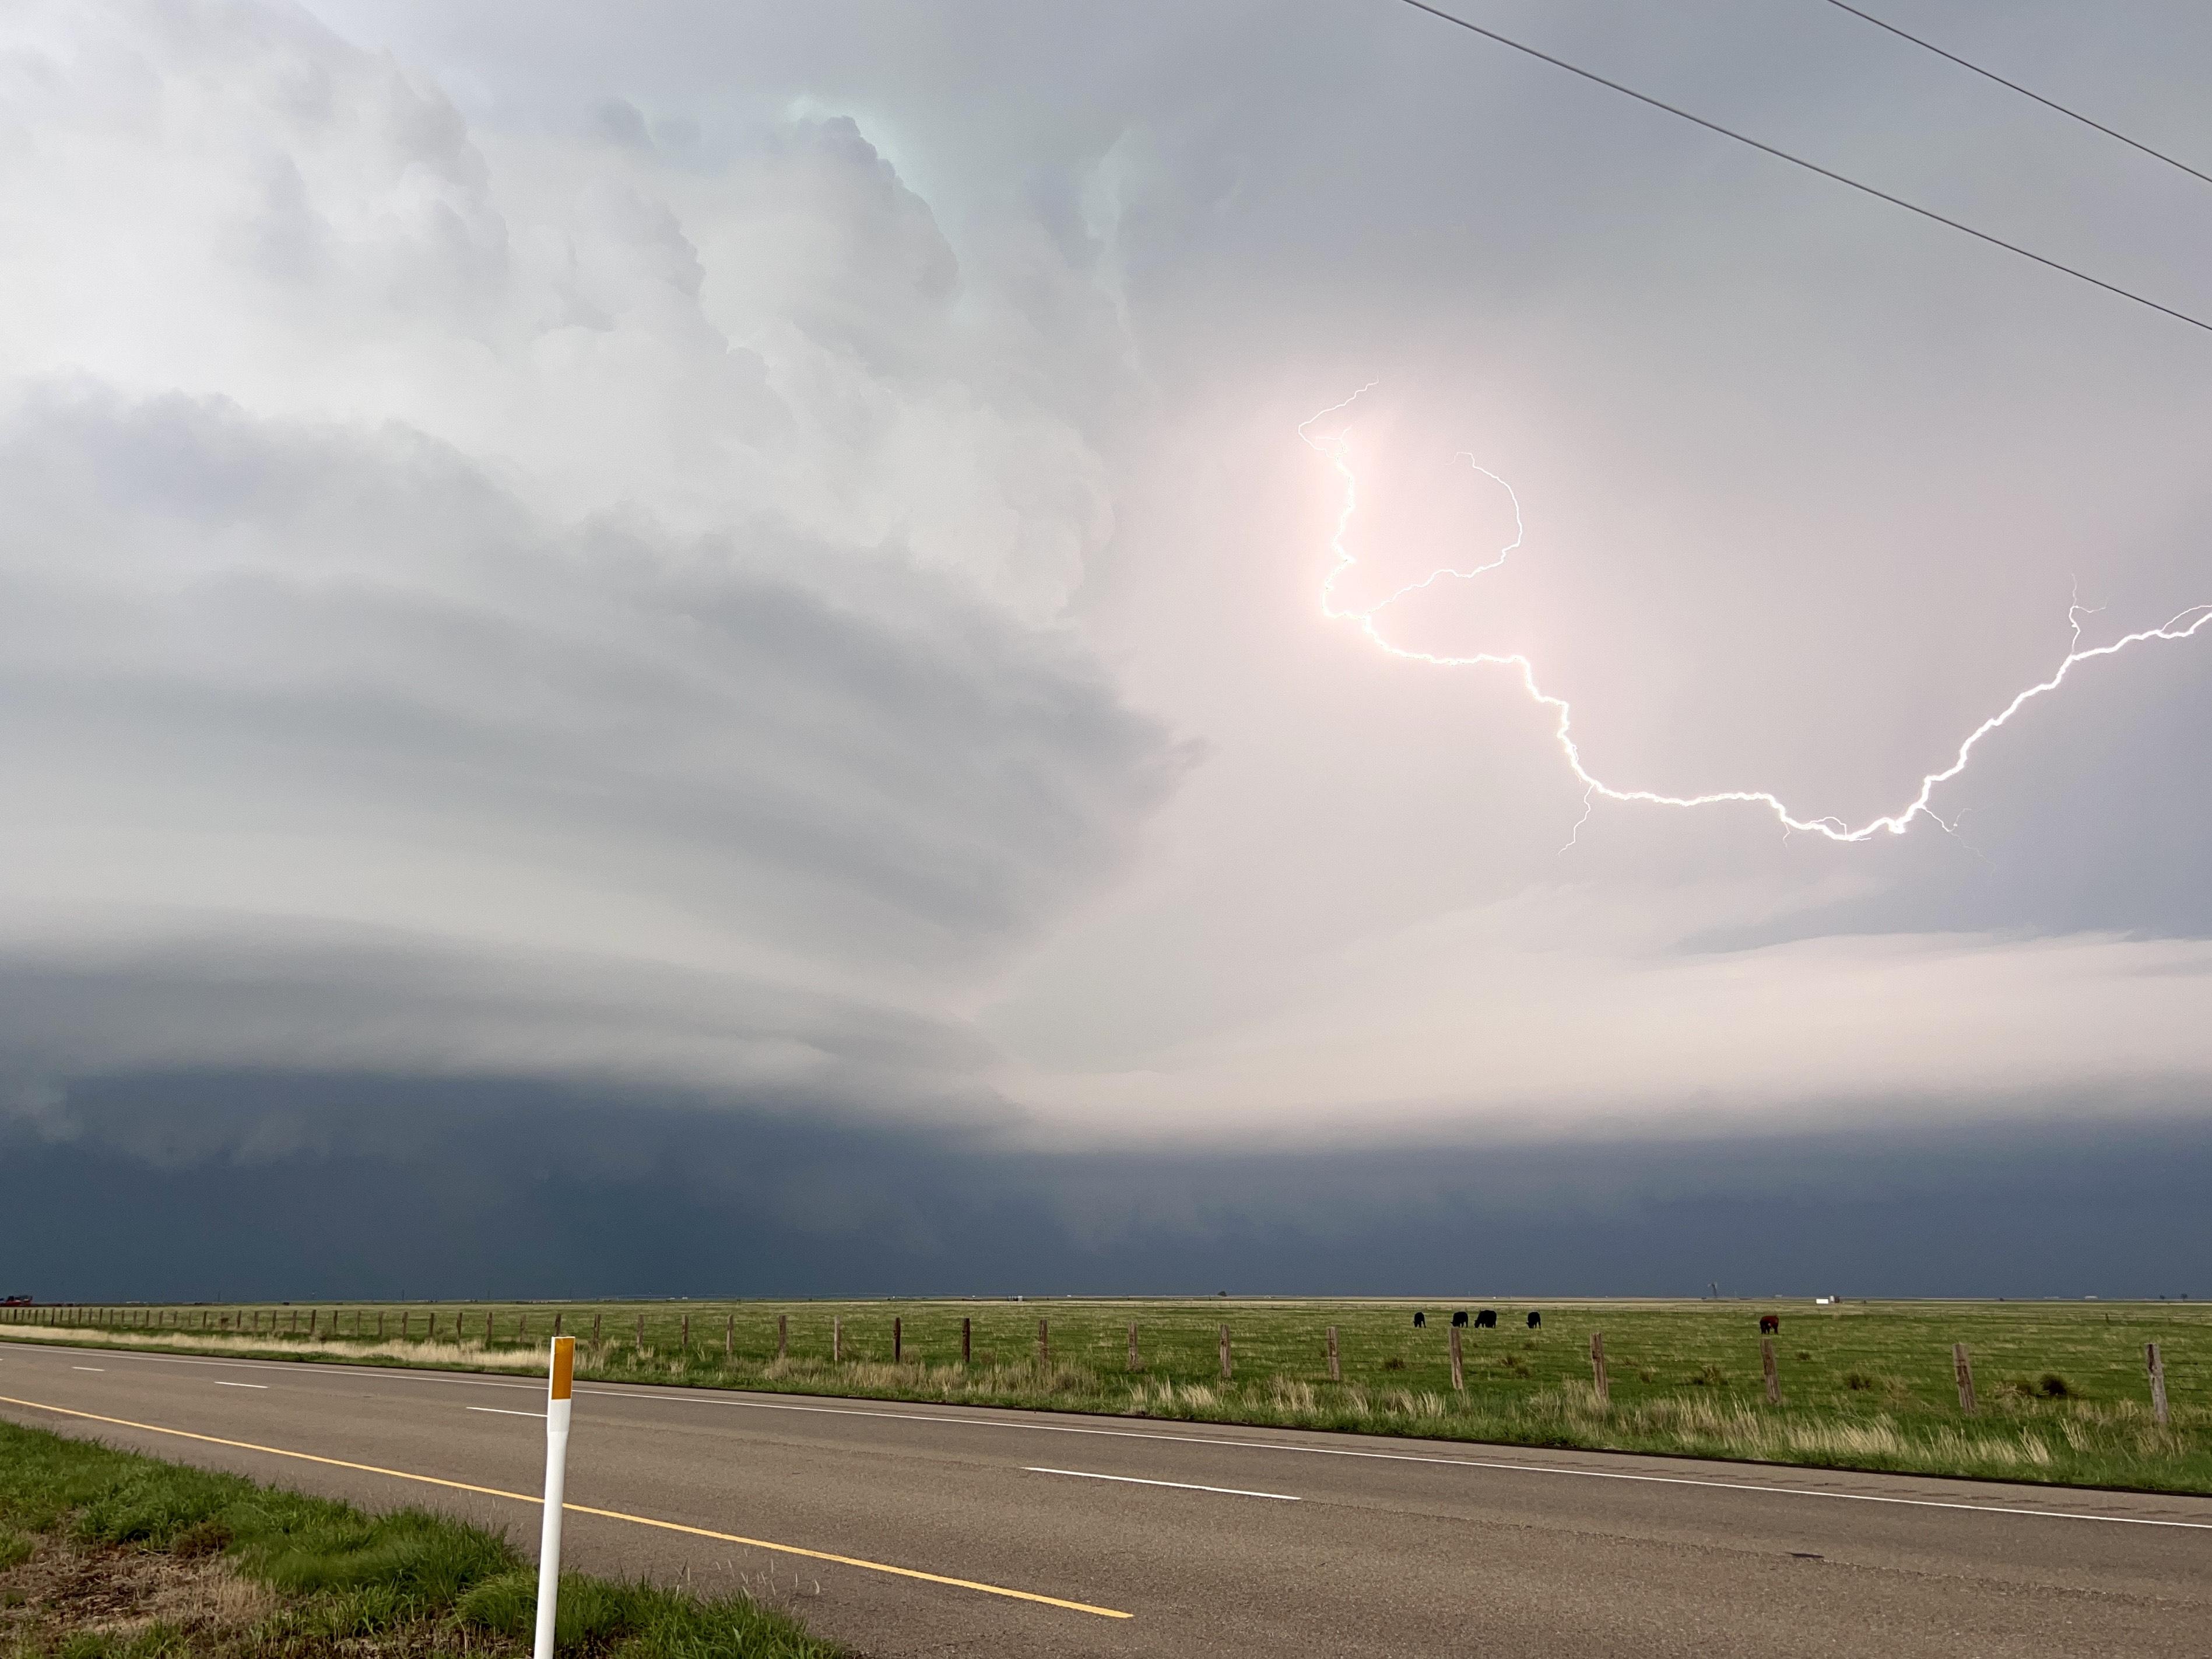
(2048, 103)
(1809, 166)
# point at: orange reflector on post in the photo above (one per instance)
(564, 1366)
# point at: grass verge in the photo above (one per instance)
(107, 1554)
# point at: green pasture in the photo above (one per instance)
(2061, 1390)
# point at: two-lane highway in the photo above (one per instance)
(931, 1530)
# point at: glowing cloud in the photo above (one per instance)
(2180, 627)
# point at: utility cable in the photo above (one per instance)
(2048, 103)
(1809, 166)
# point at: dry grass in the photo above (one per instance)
(68, 1595)
(472, 1355)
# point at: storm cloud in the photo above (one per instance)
(743, 594)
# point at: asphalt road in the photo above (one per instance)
(1212, 1540)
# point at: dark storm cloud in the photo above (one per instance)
(590, 586)
(348, 1186)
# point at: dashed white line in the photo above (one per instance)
(1500, 1465)
(1180, 1485)
(220, 1384)
(88, 1368)
(711, 1397)
(501, 1410)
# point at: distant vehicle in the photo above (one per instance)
(18, 1302)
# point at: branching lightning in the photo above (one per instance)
(2181, 627)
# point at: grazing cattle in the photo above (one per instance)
(1419, 1320)
(1486, 1319)
(1535, 1319)
(1460, 1318)
(1769, 1324)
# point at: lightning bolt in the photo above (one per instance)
(2180, 627)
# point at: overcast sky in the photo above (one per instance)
(744, 580)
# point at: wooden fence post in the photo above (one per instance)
(640, 1333)
(1962, 1367)
(1774, 1371)
(595, 1327)
(379, 1324)
(1598, 1378)
(1045, 1346)
(1135, 1363)
(315, 1317)
(729, 1336)
(687, 1333)
(522, 1323)
(556, 1323)
(1226, 1372)
(1459, 1371)
(967, 1338)
(1335, 1371)
(2156, 1366)
(898, 1340)
(488, 1330)
(783, 1336)
(836, 1337)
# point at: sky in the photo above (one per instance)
(714, 649)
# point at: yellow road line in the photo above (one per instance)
(585, 1509)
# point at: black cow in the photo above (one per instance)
(1769, 1324)
(1419, 1320)
(1486, 1319)
(1535, 1319)
(1460, 1318)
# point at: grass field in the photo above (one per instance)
(107, 1554)
(2063, 1395)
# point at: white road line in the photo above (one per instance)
(1499, 1464)
(707, 1397)
(1180, 1485)
(88, 1368)
(501, 1410)
(220, 1384)
(322, 1367)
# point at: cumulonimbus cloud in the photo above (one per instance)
(519, 604)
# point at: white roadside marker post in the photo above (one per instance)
(557, 1470)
